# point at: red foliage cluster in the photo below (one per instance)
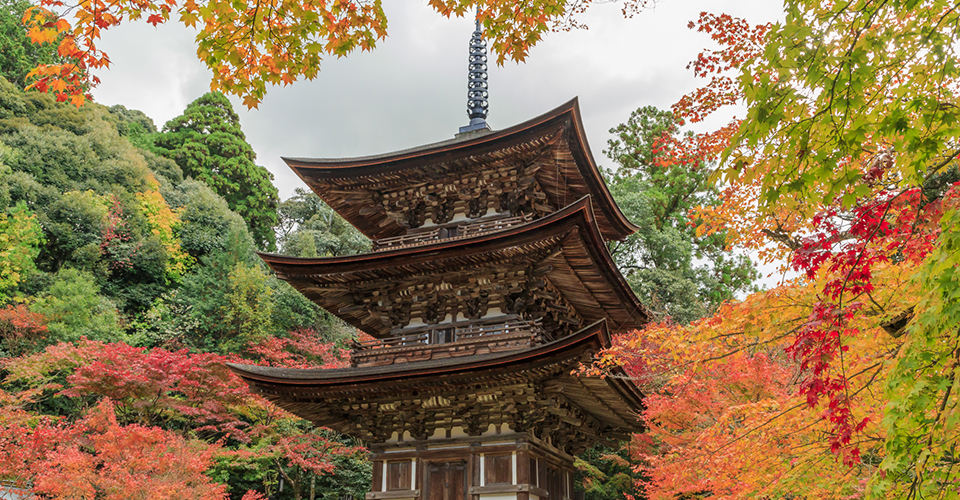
(113, 236)
(17, 321)
(303, 348)
(131, 443)
(848, 246)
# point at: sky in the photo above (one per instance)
(411, 89)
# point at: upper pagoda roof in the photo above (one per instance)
(556, 138)
(564, 247)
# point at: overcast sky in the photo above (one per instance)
(411, 89)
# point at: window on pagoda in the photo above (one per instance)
(444, 336)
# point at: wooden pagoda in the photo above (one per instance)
(488, 283)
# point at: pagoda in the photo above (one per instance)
(488, 284)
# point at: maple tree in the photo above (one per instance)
(104, 419)
(303, 348)
(21, 329)
(841, 381)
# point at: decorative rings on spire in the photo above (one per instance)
(477, 88)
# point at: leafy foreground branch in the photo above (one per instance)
(250, 45)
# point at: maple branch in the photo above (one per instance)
(782, 237)
(843, 288)
(870, 296)
(942, 164)
(757, 427)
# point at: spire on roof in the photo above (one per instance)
(477, 92)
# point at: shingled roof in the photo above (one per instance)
(552, 145)
(565, 246)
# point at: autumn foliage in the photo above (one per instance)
(107, 420)
(839, 382)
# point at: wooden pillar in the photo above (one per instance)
(523, 473)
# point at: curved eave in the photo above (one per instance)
(579, 213)
(311, 170)
(287, 384)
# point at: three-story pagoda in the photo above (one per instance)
(489, 283)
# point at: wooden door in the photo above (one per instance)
(446, 481)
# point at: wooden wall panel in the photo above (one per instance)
(498, 469)
(542, 473)
(523, 467)
(398, 475)
(553, 483)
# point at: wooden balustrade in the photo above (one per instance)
(442, 341)
(450, 231)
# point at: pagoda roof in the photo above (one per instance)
(611, 402)
(566, 246)
(557, 138)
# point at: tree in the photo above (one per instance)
(249, 307)
(303, 348)
(854, 135)
(74, 309)
(656, 185)
(115, 421)
(605, 474)
(21, 330)
(248, 46)
(208, 226)
(98, 458)
(208, 145)
(843, 170)
(20, 239)
(310, 228)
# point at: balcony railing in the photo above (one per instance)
(450, 231)
(450, 340)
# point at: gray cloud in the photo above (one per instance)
(411, 89)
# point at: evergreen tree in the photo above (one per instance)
(676, 273)
(208, 145)
(310, 228)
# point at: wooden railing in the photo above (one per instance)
(450, 231)
(447, 340)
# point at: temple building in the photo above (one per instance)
(488, 284)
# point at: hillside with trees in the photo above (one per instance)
(127, 284)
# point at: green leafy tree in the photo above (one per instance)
(249, 306)
(74, 308)
(208, 145)
(292, 311)
(203, 295)
(605, 474)
(20, 239)
(678, 274)
(74, 226)
(208, 226)
(310, 228)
